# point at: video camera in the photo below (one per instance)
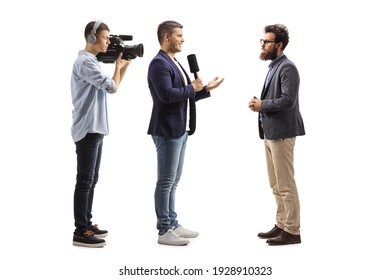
(117, 45)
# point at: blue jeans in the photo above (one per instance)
(170, 159)
(89, 152)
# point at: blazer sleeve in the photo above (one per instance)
(202, 94)
(287, 83)
(167, 85)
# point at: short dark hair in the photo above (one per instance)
(166, 27)
(89, 28)
(281, 33)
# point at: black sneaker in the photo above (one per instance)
(99, 233)
(87, 239)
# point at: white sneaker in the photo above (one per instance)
(171, 238)
(185, 233)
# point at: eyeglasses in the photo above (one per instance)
(265, 42)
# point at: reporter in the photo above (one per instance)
(172, 90)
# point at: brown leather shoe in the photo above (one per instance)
(271, 234)
(284, 238)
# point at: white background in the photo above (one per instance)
(340, 49)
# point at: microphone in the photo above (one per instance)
(194, 68)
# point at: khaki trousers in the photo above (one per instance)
(280, 165)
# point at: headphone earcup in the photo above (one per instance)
(92, 39)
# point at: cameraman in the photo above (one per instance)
(89, 87)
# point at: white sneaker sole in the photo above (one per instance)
(101, 235)
(93, 245)
(183, 243)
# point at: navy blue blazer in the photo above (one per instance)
(280, 115)
(171, 96)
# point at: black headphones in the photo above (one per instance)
(92, 37)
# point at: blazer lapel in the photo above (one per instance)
(192, 105)
(173, 64)
(185, 73)
(274, 70)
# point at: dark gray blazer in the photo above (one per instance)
(280, 116)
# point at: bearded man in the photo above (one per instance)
(280, 121)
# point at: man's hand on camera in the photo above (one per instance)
(120, 63)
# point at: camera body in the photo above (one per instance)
(117, 45)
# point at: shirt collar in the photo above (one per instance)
(276, 61)
(87, 53)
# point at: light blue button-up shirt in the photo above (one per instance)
(89, 86)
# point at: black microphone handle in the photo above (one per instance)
(193, 63)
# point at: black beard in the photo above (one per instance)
(272, 55)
